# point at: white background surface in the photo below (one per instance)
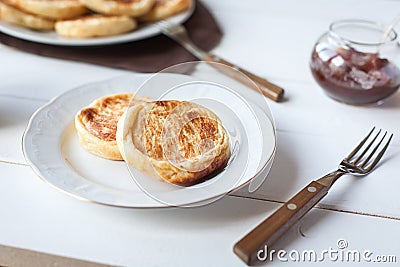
(273, 39)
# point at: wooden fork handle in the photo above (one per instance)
(267, 232)
(267, 88)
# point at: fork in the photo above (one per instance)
(179, 34)
(267, 232)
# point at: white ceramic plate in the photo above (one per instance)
(52, 148)
(144, 31)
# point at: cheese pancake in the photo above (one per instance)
(52, 9)
(96, 124)
(11, 14)
(163, 9)
(133, 8)
(95, 26)
(178, 141)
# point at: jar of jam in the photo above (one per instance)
(354, 65)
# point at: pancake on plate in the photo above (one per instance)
(52, 9)
(11, 14)
(96, 124)
(95, 26)
(178, 141)
(163, 9)
(131, 8)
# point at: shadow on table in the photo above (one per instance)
(392, 102)
(232, 209)
(224, 212)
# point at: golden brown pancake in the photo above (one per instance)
(178, 141)
(11, 14)
(163, 9)
(131, 8)
(96, 125)
(52, 9)
(95, 26)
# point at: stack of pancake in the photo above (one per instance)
(88, 18)
(176, 141)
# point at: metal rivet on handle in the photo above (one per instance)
(311, 189)
(292, 206)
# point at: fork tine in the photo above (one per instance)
(178, 33)
(352, 153)
(166, 27)
(164, 23)
(373, 151)
(376, 160)
(367, 148)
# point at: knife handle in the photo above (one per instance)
(269, 231)
(255, 82)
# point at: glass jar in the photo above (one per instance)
(354, 65)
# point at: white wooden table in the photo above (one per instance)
(273, 39)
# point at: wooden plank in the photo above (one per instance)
(18, 257)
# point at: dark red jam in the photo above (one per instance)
(354, 77)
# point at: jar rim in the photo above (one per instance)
(368, 23)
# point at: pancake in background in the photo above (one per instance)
(163, 9)
(178, 141)
(95, 26)
(11, 14)
(52, 9)
(133, 8)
